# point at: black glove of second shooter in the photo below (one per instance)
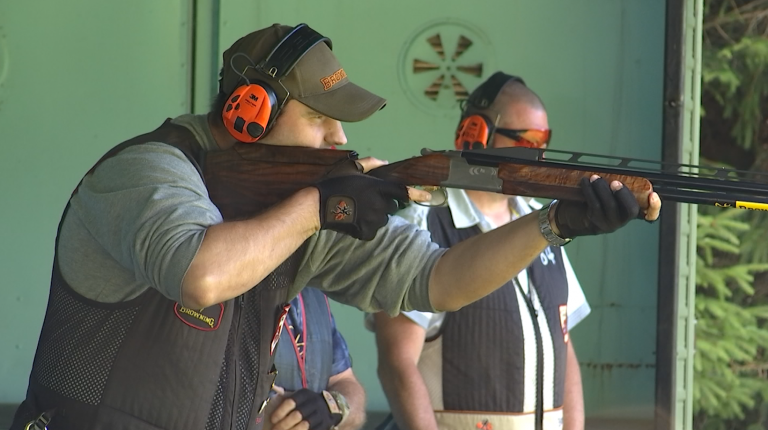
(604, 210)
(358, 204)
(314, 409)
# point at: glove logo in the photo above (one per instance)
(341, 209)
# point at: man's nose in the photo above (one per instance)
(335, 135)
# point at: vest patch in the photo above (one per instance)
(207, 319)
(484, 425)
(547, 257)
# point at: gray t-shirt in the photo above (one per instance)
(139, 219)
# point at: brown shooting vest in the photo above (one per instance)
(150, 363)
(475, 370)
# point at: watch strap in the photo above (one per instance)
(546, 227)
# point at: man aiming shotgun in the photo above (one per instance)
(149, 233)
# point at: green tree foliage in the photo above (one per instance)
(735, 83)
(729, 365)
(731, 362)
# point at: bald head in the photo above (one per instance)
(517, 107)
(514, 107)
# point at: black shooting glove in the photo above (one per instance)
(314, 410)
(358, 205)
(604, 210)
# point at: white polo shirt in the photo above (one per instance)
(465, 214)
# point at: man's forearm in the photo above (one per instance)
(236, 255)
(355, 395)
(407, 396)
(476, 267)
(573, 402)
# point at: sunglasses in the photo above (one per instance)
(533, 138)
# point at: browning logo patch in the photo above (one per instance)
(564, 321)
(207, 319)
(333, 79)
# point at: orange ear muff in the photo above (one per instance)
(247, 113)
(474, 132)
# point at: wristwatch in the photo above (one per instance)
(546, 228)
(338, 406)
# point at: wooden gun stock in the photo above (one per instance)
(516, 179)
(563, 184)
(249, 178)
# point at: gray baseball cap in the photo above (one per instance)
(318, 80)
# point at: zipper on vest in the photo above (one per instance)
(539, 356)
(235, 355)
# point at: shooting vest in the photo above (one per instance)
(476, 370)
(150, 363)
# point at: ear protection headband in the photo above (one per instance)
(251, 109)
(475, 130)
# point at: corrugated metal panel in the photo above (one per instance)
(76, 78)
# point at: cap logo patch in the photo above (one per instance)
(333, 79)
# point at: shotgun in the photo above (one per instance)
(239, 177)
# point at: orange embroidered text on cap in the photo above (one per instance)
(333, 79)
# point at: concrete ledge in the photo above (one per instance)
(7, 411)
(376, 417)
(617, 423)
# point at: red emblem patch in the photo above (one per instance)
(484, 425)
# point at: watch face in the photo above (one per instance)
(332, 405)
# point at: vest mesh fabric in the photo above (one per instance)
(79, 373)
(217, 406)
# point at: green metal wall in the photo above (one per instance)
(76, 79)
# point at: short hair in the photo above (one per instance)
(217, 106)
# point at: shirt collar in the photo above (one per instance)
(465, 214)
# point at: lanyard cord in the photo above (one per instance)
(301, 358)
